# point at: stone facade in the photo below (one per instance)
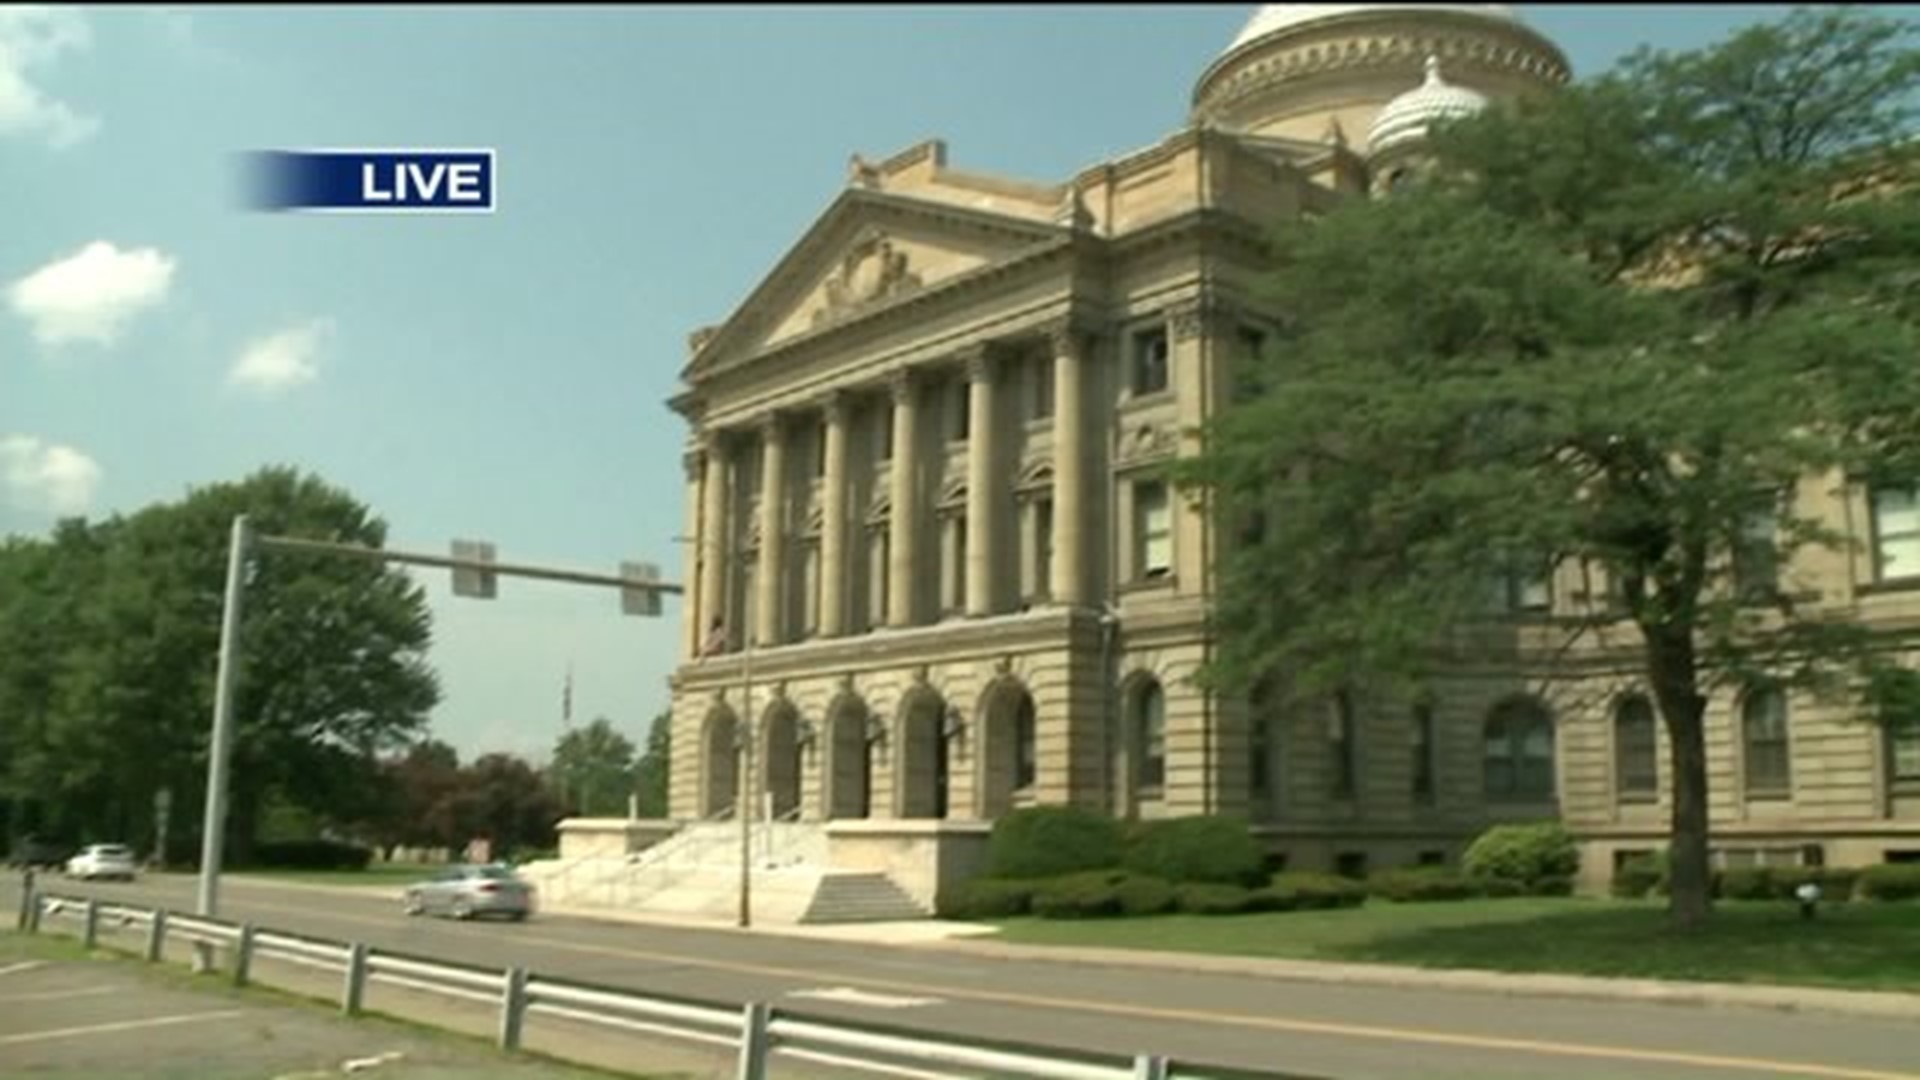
(932, 567)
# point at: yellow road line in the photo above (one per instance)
(1807, 1070)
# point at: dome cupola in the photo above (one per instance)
(1408, 117)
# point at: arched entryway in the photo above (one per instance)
(780, 761)
(719, 762)
(920, 760)
(1007, 758)
(849, 769)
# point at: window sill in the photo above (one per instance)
(1150, 584)
(1769, 796)
(1155, 793)
(1135, 400)
(1889, 586)
(1637, 799)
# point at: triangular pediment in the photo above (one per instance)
(869, 251)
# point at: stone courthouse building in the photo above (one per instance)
(935, 577)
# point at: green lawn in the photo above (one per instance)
(383, 875)
(1860, 946)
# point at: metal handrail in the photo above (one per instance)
(756, 1030)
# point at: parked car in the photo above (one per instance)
(103, 861)
(467, 892)
(33, 853)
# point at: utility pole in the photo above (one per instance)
(213, 834)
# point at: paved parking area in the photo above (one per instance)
(66, 1015)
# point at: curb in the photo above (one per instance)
(1768, 997)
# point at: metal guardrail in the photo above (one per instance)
(757, 1030)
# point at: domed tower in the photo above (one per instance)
(1325, 72)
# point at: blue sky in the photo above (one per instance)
(504, 377)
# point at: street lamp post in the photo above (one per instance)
(474, 573)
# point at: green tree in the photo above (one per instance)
(1606, 332)
(593, 769)
(651, 772)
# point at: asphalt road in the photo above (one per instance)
(1289, 1028)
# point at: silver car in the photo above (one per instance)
(114, 861)
(466, 892)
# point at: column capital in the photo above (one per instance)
(901, 383)
(772, 424)
(835, 404)
(1069, 331)
(691, 462)
(980, 362)
(1208, 312)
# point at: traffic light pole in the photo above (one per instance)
(640, 585)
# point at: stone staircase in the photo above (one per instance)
(856, 897)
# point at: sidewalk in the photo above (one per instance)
(969, 939)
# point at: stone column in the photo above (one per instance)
(833, 522)
(714, 554)
(1069, 463)
(693, 613)
(1196, 330)
(773, 539)
(983, 501)
(903, 561)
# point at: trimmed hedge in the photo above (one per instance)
(1537, 857)
(1214, 898)
(1145, 896)
(1052, 841)
(1303, 891)
(1088, 895)
(1422, 884)
(312, 855)
(1891, 881)
(987, 898)
(1211, 849)
(1638, 877)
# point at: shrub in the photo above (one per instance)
(986, 898)
(1145, 896)
(1500, 888)
(1636, 878)
(312, 855)
(1892, 881)
(1422, 884)
(1212, 898)
(1218, 850)
(1309, 891)
(1836, 883)
(1744, 883)
(1089, 895)
(1531, 855)
(1052, 841)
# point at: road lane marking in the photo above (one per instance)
(847, 995)
(124, 1025)
(25, 965)
(56, 995)
(1805, 1070)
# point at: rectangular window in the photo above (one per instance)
(1756, 557)
(1153, 530)
(1903, 753)
(1340, 746)
(810, 591)
(1896, 533)
(1150, 360)
(1041, 393)
(1043, 547)
(958, 601)
(820, 450)
(1423, 786)
(960, 394)
(882, 434)
(877, 576)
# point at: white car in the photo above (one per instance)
(103, 861)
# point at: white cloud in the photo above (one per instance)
(91, 294)
(32, 38)
(46, 476)
(280, 362)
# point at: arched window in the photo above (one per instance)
(1519, 752)
(1636, 749)
(1150, 711)
(1763, 730)
(1025, 744)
